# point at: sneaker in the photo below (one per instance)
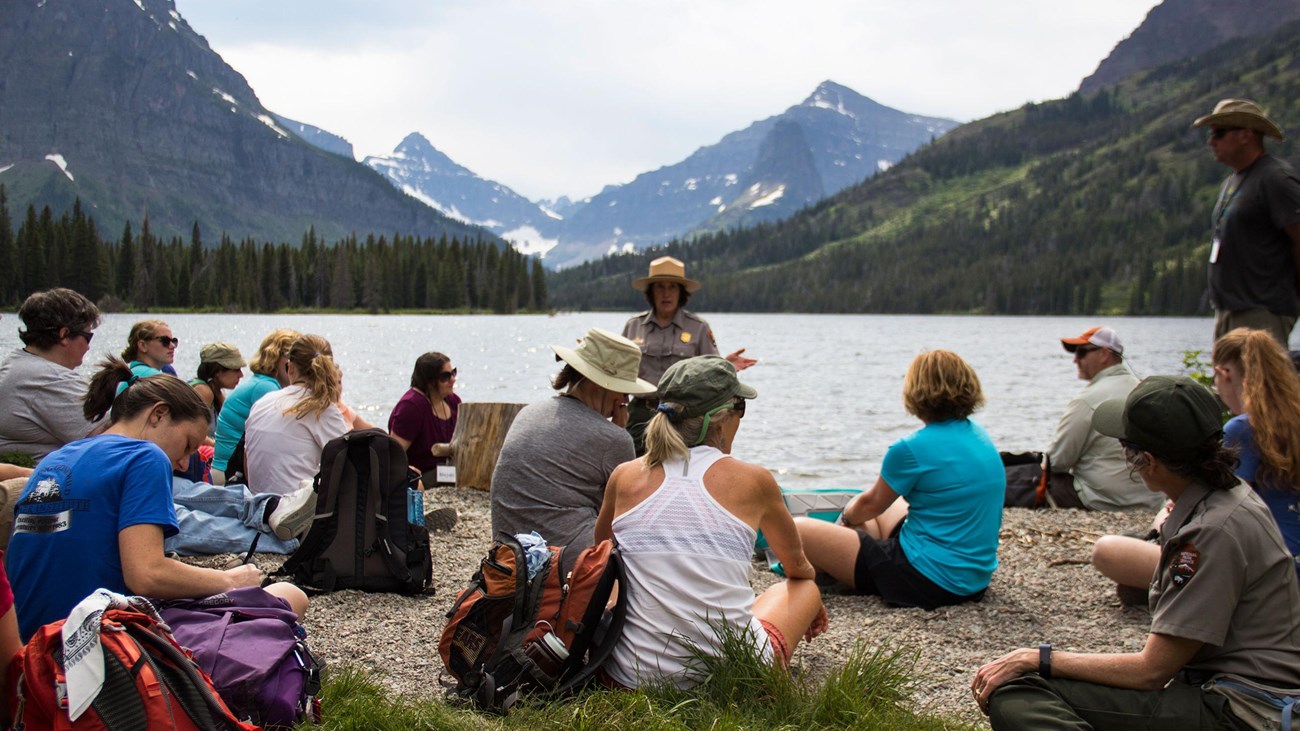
(293, 513)
(440, 519)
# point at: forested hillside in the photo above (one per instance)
(1095, 203)
(139, 270)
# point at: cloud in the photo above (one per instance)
(563, 97)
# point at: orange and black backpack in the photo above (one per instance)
(510, 632)
(150, 682)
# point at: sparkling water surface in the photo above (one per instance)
(829, 386)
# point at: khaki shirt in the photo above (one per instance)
(1226, 579)
(1101, 476)
(686, 336)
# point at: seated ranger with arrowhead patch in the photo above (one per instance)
(1224, 603)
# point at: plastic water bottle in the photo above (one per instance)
(549, 654)
(414, 506)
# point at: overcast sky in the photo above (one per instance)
(561, 97)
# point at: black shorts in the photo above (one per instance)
(883, 569)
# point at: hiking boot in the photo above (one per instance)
(440, 519)
(293, 513)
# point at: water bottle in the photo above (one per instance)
(549, 654)
(414, 506)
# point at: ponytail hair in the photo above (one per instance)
(139, 395)
(313, 358)
(141, 331)
(666, 439)
(1270, 392)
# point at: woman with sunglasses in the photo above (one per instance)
(150, 348)
(926, 534)
(1257, 382)
(426, 414)
(685, 517)
(287, 430)
(40, 391)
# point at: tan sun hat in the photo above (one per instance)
(666, 269)
(607, 360)
(224, 354)
(1240, 113)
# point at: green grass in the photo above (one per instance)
(871, 690)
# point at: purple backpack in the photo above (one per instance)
(252, 646)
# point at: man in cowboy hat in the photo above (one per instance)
(667, 333)
(1255, 250)
(1088, 467)
(559, 453)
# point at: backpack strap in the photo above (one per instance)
(187, 684)
(323, 526)
(601, 628)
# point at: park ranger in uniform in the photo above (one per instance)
(667, 333)
(1225, 610)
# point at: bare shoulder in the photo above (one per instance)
(755, 477)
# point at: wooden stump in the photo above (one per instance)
(475, 445)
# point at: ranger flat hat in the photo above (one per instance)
(607, 360)
(666, 269)
(1240, 113)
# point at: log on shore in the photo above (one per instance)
(475, 445)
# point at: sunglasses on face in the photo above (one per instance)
(1083, 352)
(447, 375)
(1217, 133)
(738, 406)
(166, 341)
(75, 334)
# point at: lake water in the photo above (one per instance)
(829, 385)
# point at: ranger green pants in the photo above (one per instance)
(1030, 702)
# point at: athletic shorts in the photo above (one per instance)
(882, 569)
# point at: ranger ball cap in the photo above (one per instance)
(1169, 416)
(702, 384)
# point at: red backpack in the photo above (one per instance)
(507, 633)
(150, 682)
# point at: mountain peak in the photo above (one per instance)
(841, 99)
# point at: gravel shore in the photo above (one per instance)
(1043, 591)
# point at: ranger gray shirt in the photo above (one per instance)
(1255, 266)
(685, 336)
(41, 403)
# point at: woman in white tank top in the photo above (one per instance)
(685, 517)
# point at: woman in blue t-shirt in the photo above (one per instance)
(95, 512)
(938, 544)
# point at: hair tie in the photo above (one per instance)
(669, 411)
(134, 377)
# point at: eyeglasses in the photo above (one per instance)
(447, 375)
(1217, 133)
(166, 341)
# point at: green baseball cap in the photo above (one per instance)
(1169, 416)
(702, 384)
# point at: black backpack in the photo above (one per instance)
(361, 537)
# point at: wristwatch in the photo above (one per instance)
(1045, 660)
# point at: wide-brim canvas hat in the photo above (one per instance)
(1169, 416)
(607, 360)
(1240, 113)
(1102, 337)
(224, 354)
(702, 384)
(666, 269)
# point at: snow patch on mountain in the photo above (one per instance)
(58, 160)
(266, 120)
(529, 241)
(768, 199)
